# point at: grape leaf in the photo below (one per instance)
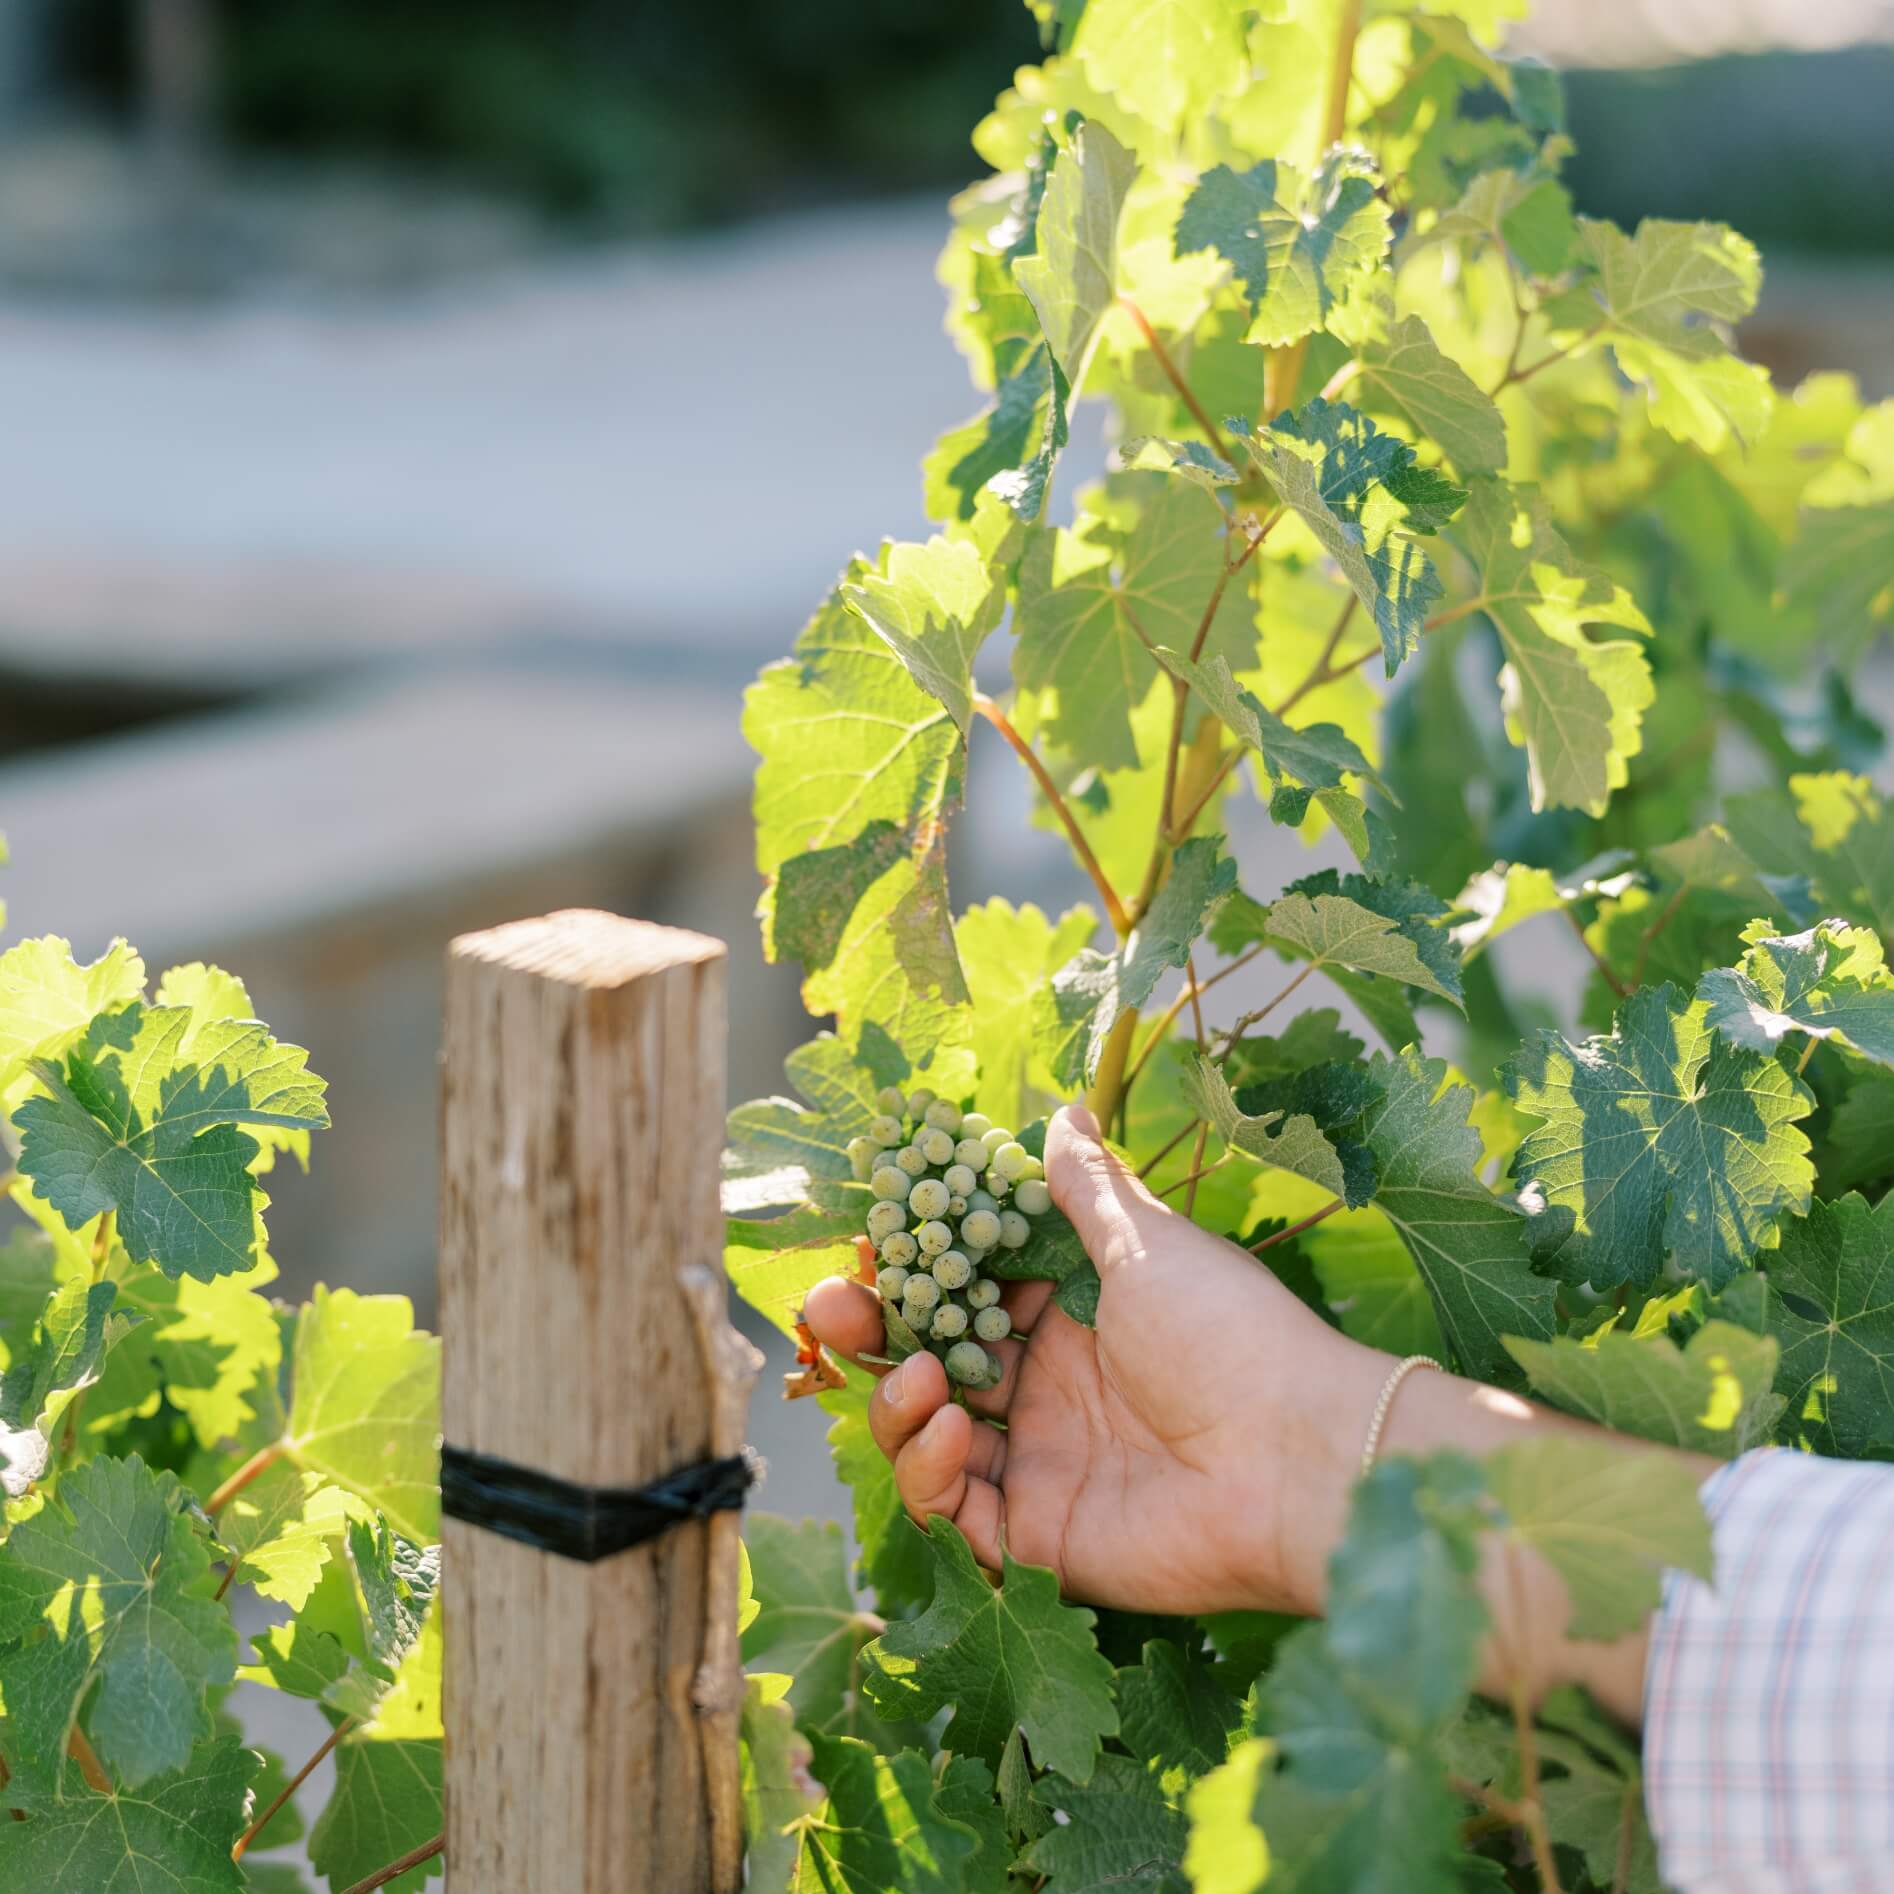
(47, 998)
(1837, 1368)
(1609, 1523)
(1298, 245)
(1861, 1135)
(1093, 989)
(1329, 921)
(387, 1800)
(1573, 703)
(1838, 574)
(141, 1117)
(1851, 834)
(1093, 600)
(778, 1150)
(1349, 484)
(1010, 955)
(1004, 1656)
(1071, 276)
(105, 1596)
(1526, 213)
(1668, 294)
(1119, 1831)
(1663, 1138)
(1830, 982)
(67, 1348)
(280, 1529)
(1318, 755)
(365, 1406)
(1226, 1852)
(1404, 373)
(1295, 1144)
(778, 1790)
(1175, 1715)
(1469, 1247)
(1711, 1396)
(883, 1825)
(1164, 60)
(1500, 898)
(933, 607)
(1370, 1284)
(171, 1832)
(1590, 1807)
(808, 1625)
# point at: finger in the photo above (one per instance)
(846, 1316)
(1025, 1302)
(906, 1401)
(1114, 1214)
(931, 1474)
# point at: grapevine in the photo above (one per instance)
(1450, 528)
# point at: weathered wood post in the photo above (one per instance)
(591, 1706)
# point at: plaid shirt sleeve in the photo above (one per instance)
(1769, 1700)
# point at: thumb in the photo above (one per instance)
(1112, 1211)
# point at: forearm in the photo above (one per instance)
(1525, 1596)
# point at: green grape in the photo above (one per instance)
(953, 1269)
(944, 1115)
(920, 1293)
(918, 1102)
(891, 1281)
(948, 1323)
(929, 1197)
(934, 1237)
(992, 1324)
(885, 1218)
(997, 1186)
(912, 1159)
(862, 1153)
(996, 1137)
(885, 1130)
(1032, 1197)
(891, 1101)
(1014, 1229)
(936, 1146)
(975, 1125)
(982, 1293)
(899, 1248)
(956, 1206)
(1033, 1172)
(982, 1200)
(891, 1184)
(969, 1362)
(972, 1153)
(959, 1179)
(981, 1228)
(1012, 1161)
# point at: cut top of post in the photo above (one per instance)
(586, 947)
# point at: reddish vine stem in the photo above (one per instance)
(1170, 1145)
(1295, 1229)
(396, 1869)
(258, 1463)
(1531, 1809)
(1603, 965)
(1180, 830)
(1193, 1177)
(1318, 671)
(87, 1758)
(1114, 908)
(241, 1846)
(1242, 1026)
(1515, 375)
(1212, 433)
(1197, 1169)
(1165, 1018)
(1330, 673)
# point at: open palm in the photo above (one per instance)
(1162, 1461)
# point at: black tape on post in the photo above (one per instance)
(587, 1523)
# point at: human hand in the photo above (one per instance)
(1192, 1453)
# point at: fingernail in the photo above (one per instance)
(891, 1387)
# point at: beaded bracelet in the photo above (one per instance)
(1389, 1389)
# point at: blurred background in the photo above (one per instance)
(372, 379)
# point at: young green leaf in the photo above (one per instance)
(1610, 1523)
(1404, 373)
(1369, 926)
(1662, 1139)
(1831, 982)
(1165, 60)
(47, 998)
(1002, 1656)
(64, 1355)
(1573, 703)
(778, 1790)
(105, 1599)
(1010, 955)
(1713, 1395)
(280, 1530)
(1298, 245)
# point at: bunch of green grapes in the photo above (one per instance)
(950, 1189)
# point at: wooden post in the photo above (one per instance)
(591, 1709)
